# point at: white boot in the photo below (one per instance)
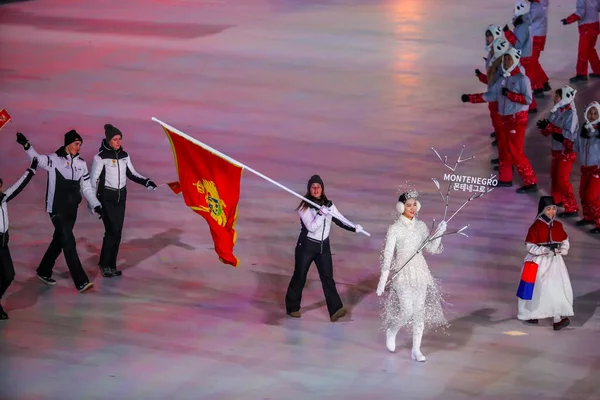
(390, 340)
(417, 336)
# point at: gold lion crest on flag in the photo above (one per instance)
(215, 206)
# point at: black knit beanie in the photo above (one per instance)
(315, 179)
(72, 136)
(110, 132)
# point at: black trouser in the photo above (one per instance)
(7, 269)
(63, 240)
(113, 216)
(306, 252)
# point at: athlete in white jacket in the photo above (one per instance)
(110, 169)
(68, 178)
(7, 269)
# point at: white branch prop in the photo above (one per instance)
(460, 160)
(239, 164)
(446, 199)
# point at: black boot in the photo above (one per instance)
(495, 160)
(584, 222)
(547, 87)
(532, 111)
(116, 272)
(527, 189)
(496, 168)
(567, 214)
(538, 93)
(532, 321)
(557, 326)
(595, 231)
(593, 75)
(493, 134)
(495, 143)
(578, 78)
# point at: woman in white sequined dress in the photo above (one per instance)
(414, 300)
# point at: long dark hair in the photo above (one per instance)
(320, 201)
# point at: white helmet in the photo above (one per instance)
(590, 124)
(568, 96)
(500, 46)
(496, 32)
(522, 7)
(516, 56)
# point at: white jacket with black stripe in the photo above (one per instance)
(110, 170)
(68, 179)
(10, 194)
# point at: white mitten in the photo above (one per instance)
(441, 229)
(382, 281)
(359, 229)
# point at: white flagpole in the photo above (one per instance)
(239, 164)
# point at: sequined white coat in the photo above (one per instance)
(414, 297)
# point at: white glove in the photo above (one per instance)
(558, 251)
(382, 282)
(441, 229)
(324, 210)
(359, 228)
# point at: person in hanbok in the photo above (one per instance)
(547, 243)
(414, 300)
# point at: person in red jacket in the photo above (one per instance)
(539, 28)
(513, 94)
(563, 127)
(493, 64)
(588, 149)
(586, 15)
(521, 39)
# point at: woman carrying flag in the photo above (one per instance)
(313, 245)
(551, 295)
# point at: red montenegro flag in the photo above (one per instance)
(4, 118)
(211, 187)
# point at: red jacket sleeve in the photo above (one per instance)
(476, 98)
(510, 36)
(483, 78)
(568, 145)
(551, 128)
(572, 18)
(517, 98)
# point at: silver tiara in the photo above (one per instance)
(411, 194)
(409, 190)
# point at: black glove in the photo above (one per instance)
(34, 164)
(477, 72)
(506, 28)
(98, 210)
(542, 124)
(558, 137)
(584, 133)
(150, 184)
(518, 21)
(505, 91)
(465, 98)
(22, 140)
(564, 21)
